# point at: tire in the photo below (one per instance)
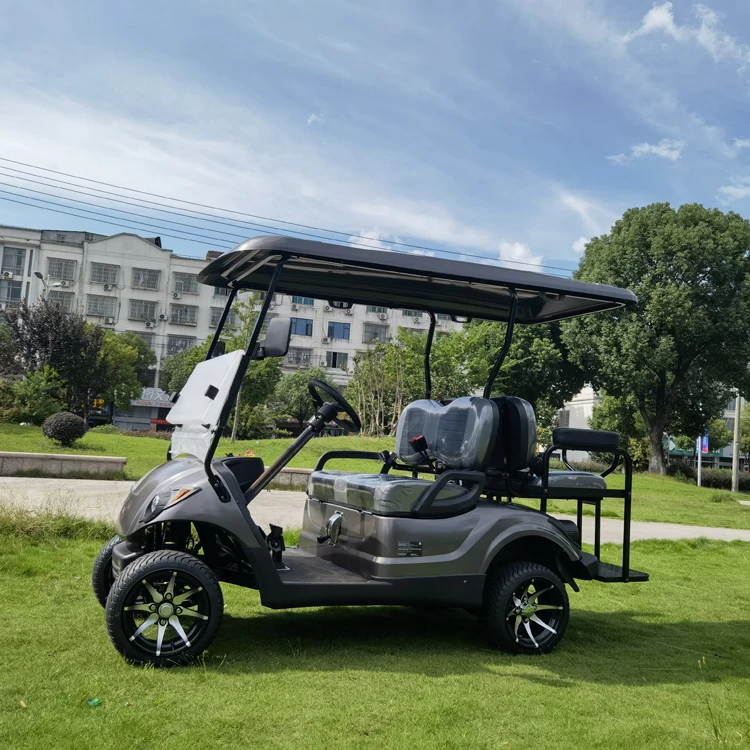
(102, 577)
(518, 598)
(150, 595)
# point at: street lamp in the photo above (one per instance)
(44, 281)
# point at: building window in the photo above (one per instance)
(221, 291)
(411, 313)
(146, 278)
(443, 316)
(563, 418)
(729, 424)
(177, 344)
(298, 358)
(14, 259)
(60, 237)
(336, 359)
(269, 317)
(302, 326)
(104, 273)
(10, 292)
(64, 299)
(262, 296)
(216, 312)
(373, 332)
(187, 283)
(303, 301)
(100, 306)
(184, 315)
(413, 331)
(376, 309)
(141, 309)
(338, 330)
(61, 268)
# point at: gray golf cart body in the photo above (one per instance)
(394, 536)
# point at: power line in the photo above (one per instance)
(213, 219)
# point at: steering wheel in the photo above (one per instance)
(315, 386)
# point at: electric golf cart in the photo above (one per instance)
(434, 524)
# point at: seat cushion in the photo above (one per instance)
(380, 493)
(559, 481)
(586, 440)
(460, 434)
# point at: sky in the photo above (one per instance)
(508, 129)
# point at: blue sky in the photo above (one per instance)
(510, 129)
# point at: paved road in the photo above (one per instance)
(102, 500)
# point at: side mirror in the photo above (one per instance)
(276, 342)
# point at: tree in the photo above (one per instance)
(146, 357)
(745, 430)
(680, 350)
(116, 375)
(176, 368)
(291, 398)
(621, 415)
(36, 396)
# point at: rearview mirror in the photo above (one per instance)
(276, 342)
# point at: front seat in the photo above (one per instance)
(519, 445)
(461, 435)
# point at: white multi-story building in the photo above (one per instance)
(130, 283)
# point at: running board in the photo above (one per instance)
(607, 573)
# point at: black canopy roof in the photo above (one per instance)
(419, 282)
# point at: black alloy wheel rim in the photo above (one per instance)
(165, 612)
(535, 612)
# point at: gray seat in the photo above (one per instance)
(385, 494)
(460, 435)
(531, 486)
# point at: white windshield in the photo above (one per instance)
(198, 409)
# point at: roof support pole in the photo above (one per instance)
(427, 350)
(503, 353)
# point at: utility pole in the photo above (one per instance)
(736, 444)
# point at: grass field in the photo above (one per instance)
(665, 664)
(655, 498)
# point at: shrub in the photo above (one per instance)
(158, 434)
(596, 467)
(64, 428)
(106, 429)
(36, 395)
(717, 479)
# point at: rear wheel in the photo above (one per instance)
(102, 576)
(164, 609)
(525, 608)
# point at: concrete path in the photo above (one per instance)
(101, 499)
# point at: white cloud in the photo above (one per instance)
(594, 216)
(372, 239)
(580, 244)
(666, 148)
(739, 189)
(740, 143)
(519, 256)
(721, 46)
(314, 118)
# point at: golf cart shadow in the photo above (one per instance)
(627, 648)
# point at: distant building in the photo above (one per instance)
(130, 283)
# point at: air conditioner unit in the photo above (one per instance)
(108, 287)
(7, 275)
(326, 340)
(294, 307)
(417, 320)
(348, 311)
(162, 316)
(327, 308)
(63, 283)
(176, 295)
(383, 316)
(109, 321)
(150, 324)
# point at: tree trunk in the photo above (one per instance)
(656, 457)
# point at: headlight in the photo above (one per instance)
(165, 499)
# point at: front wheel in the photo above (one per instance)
(525, 608)
(102, 576)
(164, 609)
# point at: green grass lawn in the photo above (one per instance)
(656, 498)
(665, 664)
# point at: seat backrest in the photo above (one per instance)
(518, 438)
(462, 434)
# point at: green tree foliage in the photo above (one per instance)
(291, 398)
(116, 372)
(679, 351)
(146, 356)
(176, 368)
(745, 430)
(621, 415)
(36, 396)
